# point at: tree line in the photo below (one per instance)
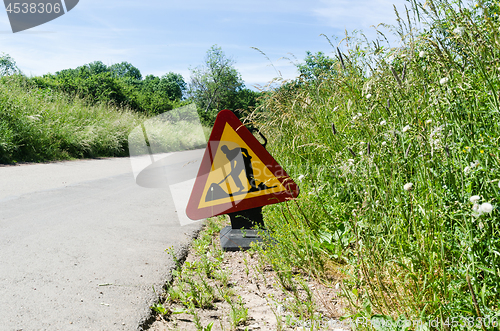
(213, 86)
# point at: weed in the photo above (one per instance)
(160, 309)
(238, 313)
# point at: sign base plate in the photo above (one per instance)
(238, 239)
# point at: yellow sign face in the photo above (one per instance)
(236, 173)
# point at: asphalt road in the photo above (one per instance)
(82, 244)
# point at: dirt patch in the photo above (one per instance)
(257, 300)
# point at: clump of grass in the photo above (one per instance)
(385, 190)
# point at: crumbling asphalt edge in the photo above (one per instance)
(181, 254)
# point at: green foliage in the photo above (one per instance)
(202, 282)
(316, 66)
(120, 84)
(217, 85)
(426, 113)
(8, 66)
(99, 87)
(159, 94)
(125, 70)
(39, 125)
(160, 309)
(238, 313)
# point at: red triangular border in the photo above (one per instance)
(227, 116)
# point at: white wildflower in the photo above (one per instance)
(466, 169)
(300, 178)
(384, 143)
(34, 117)
(459, 30)
(428, 122)
(335, 109)
(444, 80)
(422, 53)
(474, 198)
(359, 114)
(383, 122)
(474, 164)
(436, 132)
(406, 128)
(435, 142)
(368, 96)
(408, 186)
(486, 208)
(361, 153)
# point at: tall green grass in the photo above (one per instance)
(425, 113)
(40, 125)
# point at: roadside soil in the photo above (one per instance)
(269, 307)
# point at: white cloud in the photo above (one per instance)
(262, 73)
(359, 15)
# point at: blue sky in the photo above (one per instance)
(159, 36)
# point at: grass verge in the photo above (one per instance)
(396, 154)
(39, 125)
(217, 290)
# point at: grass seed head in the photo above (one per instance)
(459, 30)
(474, 198)
(486, 208)
(444, 80)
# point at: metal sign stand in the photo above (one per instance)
(244, 230)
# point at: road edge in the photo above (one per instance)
(181, 254)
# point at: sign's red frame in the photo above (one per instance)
(223, 117)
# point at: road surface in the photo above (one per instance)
(82, 245)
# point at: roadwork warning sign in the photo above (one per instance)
(236, 173)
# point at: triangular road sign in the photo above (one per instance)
(236, 173)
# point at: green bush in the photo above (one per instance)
(120, 84)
